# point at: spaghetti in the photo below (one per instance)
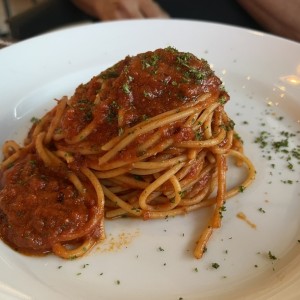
(147, 138)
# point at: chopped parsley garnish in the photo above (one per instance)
(109, 73)
(215, 265)
(171, 49)
(88, 116)
(112, 112)
(296, 153)
(151, 61)
(262, 139)
(222, 100)
(145, 117)
(10, 165)
(73, 257)
(126, 88)
(182, 193)
(34, 120)
(198, 74)
(198, 136)
(287, 181)
(221, 210)
(237, 136)
(86, 107)
(271, 256)
(228, 126)
(33, 163)
(241, 188)
(147, 94)
(183, 59)
(278, 145)
(172, 200)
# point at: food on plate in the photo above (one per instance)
(147, 138)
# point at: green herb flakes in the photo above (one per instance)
(271, 256)
(34, 120)
(126, 88)
(215, 265)
(241, 188)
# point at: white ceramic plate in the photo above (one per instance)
(262, 75)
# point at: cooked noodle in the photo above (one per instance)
(147, 138)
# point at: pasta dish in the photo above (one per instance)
(147, 138)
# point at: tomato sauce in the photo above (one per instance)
(136, 89)
(39, 204)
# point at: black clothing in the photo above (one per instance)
(51, 14)
(220, 11)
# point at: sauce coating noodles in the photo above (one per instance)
(147, 138)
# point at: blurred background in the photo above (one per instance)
(22, 19)
(10, 8)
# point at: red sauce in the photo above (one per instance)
(135, 89)
(39, 204)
